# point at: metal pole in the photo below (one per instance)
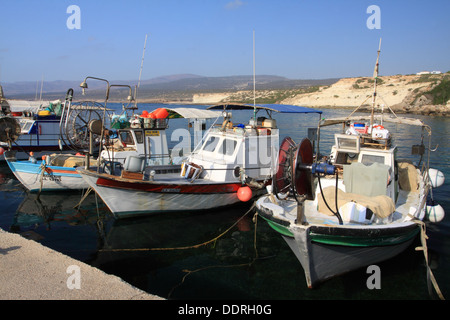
(254, 80)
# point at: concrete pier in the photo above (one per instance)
(31, 271)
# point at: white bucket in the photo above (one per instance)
(134, 164)
(354, 213)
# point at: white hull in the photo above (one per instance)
(321, 262)
(131, 202)
(54, 178)
(32, 182)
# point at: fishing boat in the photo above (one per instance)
(38, 126)
(50, 165)
(133, 140)
(232, 164)
(356, 207)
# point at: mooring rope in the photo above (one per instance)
(423, 240)
(43, 168)
(185, 247)
(189, 272)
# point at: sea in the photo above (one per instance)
(228, 253)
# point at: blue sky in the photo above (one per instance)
(297, 39)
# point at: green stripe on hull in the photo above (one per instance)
(349, 241)
(278, 227)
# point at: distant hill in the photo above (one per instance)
(427, 94)
(179, 87)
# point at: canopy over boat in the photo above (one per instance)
(281, 108)
(191, 113)
(24, 105)
(381, 118)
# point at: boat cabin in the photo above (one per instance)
(362, 164)
(230, 152)
(39, 127)
(138, 142)
(240, 152)
(146, 139)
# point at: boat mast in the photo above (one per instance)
(254, 81)
(42, 86)
(140, 71)
(375, 76)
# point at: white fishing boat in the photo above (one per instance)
(135, 140)
(232, 164)
(357, 207)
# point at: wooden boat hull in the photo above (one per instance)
(328, 251)
(321, 262)
(54, 178)
(130, 197)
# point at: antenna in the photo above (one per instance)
(254, 80)
(140, 71)
(42, 85)
(375, 76)
(37, 88)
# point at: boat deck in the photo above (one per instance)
(176, 178)
(161, 177)
(287, 210)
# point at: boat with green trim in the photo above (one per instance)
(360, 207)
(356, 207)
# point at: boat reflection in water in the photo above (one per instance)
(151, 252)
(57, 210)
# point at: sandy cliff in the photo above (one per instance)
(402, 93)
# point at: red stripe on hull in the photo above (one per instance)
(170, 188)
(40, 148)
(53, 171)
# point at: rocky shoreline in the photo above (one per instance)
(404, 94)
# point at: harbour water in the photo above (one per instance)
(248, 261)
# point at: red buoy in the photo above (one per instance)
(2, 151)
(244, 193)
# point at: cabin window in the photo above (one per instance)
(26, 126)
(228, 146)
(139, 136)
(346, 143)
(369, 159)
(126, 137)
(211, 143)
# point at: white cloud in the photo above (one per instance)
(234, 4)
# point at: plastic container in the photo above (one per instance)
(269, 123)
(353, 212)
(360, 127)
(134, 164)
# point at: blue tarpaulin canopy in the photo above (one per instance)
(282, 108)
